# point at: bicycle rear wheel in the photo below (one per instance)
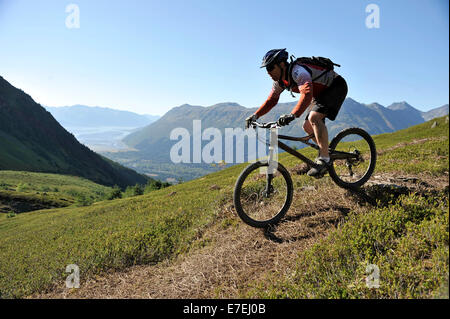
(261, 200)
(352, 171)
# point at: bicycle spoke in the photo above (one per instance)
(352, 169)
(255, 201)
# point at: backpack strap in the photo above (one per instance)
(290, 78)
(310, 72)
(320, 61)
(301, 62)
(306, 68)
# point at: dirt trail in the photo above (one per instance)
(237, 255)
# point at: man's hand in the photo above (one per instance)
(249, 120)
(285, 119)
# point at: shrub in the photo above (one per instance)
(155, 185)
(4, 186)
(135, 190)
(22, 187)
(83, 200)
(116, 192)
(138, 190)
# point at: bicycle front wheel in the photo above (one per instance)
(261, 199)
(353, 155)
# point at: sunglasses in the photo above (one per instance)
(270, 67)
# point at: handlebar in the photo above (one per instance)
(265, 125)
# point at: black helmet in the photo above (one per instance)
(274, 56)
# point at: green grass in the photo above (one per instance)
(36, 247)
(50, 189)
(430, 157)
(45, 200)
(426, 149)
(407, 241)
(107, 235)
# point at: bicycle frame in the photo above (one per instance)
(334, 155)
(293, 152)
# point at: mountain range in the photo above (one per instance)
(373, 117)
(153, 142)
(95, 116)
(32, 140)
(100, 128)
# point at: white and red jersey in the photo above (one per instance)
(308, 85)
(300, 76)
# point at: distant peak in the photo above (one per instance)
(184, 107)
(349, 99)
(227, 104)
(403, 105)
(400, 103)
(376, 105)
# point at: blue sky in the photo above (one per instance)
(149, 56)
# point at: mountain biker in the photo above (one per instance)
(327, 92)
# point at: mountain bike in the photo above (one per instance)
(264, 190)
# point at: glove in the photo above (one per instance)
(285, 119)
(249, 120)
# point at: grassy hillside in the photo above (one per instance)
(32, 140)
(172, 222)
(27, 191)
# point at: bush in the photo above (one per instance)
(11, 214)
(116, 192)
(22, 187)
(83, 200)
(135, 190)
(138, 190)
(4, 186)
(155, 185)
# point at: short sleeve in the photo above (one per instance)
(300, 75)
(276, 89)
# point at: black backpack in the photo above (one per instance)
(316, 60)
(319, 61)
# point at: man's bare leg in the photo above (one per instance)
(307, 127)
(320, 131)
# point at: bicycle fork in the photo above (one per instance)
(272, 160)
